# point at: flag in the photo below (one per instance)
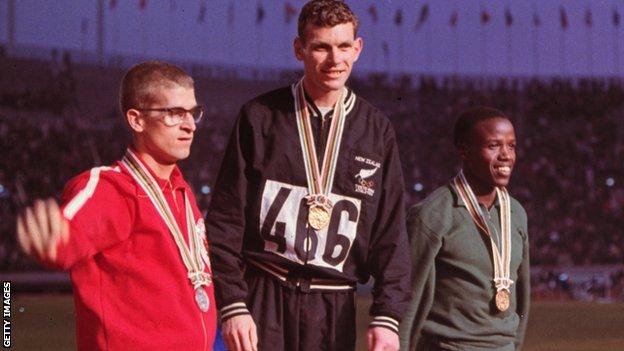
(508, 17)
(398, 17)
(589, 21)
(616, 17)
(454, 18)
(142, 4)
(201, 15)
(563, 18)
(536, 20)
(372, 11)
(259, 13)
(112, 4)
(289, 12)
(485, 17)
(422, 18)
(230, 13)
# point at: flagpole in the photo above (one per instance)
(84, 27)
(387, 59)
(230, 19)
(100, 31)
(428, 48)
(375, 47)
(483, 44)
(401, 49)
(536, 55)
(563, 18)
(259, 44)
(535, 37)
(144, 33)
(453, 22)
(171, 47)
(484, 56)
(287, 49)
(260, 14)
(562, 59)
(10, 26)
(204, 25)
(616, 49)
(398, 22)
(115, 31)
(510, 64)
(590, 51)
(455, 50)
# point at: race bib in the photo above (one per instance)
(284, 226)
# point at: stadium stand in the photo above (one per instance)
(58, 119)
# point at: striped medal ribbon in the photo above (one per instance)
(191, 254)
(501, 258)
(319, 181)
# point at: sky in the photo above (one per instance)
(172, 29)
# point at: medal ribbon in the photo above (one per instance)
(191, 255)
(319, 183)
(502, 258)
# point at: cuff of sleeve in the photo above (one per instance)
(233, 310)
(385, 322)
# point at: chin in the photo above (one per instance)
(179, 155)
(501, 182)
(183, 156)
(334, 85)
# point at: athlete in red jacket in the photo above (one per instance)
(131, 235)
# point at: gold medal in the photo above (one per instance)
(502, 300)
(318, 217)
(320, 179)
(501, 258)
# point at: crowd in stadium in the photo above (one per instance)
(566, 175)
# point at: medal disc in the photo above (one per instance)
(202, 299)
(502, 300)
(318, 217)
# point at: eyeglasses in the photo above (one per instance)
(173, 116)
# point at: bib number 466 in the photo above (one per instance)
(285, 230)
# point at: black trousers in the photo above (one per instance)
(294, 318)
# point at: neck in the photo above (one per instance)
(485, 194)
(161, 169)
(322, 98)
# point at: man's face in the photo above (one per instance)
(490, 154)
(328, 54)
(169, 144)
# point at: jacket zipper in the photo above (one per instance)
(201, 316)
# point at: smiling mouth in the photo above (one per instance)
(333, 73)
(503, 170)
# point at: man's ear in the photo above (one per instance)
(135, 121)
(358, 45)
(298, 46)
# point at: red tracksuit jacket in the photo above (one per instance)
(131, 289)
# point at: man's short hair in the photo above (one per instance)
(140, 82)
(325, 13)
(467, 120)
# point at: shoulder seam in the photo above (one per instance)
(79, 200)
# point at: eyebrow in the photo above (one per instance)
(322, 44)
(489, 140)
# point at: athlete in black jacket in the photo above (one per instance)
(292, 260)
